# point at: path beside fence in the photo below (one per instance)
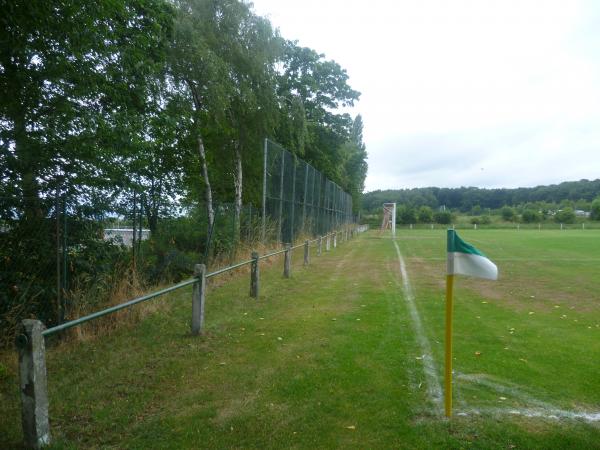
(31, 340)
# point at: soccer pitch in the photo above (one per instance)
(526, 345)
(348, 353)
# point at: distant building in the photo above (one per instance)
(124, 235)
(582, 213)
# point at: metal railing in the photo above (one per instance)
(31, 341)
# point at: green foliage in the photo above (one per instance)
(595, 209)
(507, 213)
(466, 199)
(405, 214)
(110, 112)
(425, 214)
(442, 217)
(485, 220)
(530, 216)
(566, 215)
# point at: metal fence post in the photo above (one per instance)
(34, 386)
(254, 275)
(293, 220)
(304, 199)
(306, 253)
(198, 296)
(320, 247)
(264, 194)
(279, 237)
(287, 261)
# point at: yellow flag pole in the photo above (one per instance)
(448, 371)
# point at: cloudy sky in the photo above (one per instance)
(464, 93)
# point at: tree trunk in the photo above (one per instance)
(207, 191)
(202, 153)
(151, 206)
(237, 182)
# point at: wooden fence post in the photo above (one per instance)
(254, 275)
(34, 386)
(320, 247)
(335, 239)
(198, 299)
(327, 243)
(306, 253)
(287, 261)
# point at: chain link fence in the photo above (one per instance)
(74, 252)
(298, 200)
(77, 256)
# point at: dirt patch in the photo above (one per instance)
(235, 407)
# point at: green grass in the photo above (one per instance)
(328, 358)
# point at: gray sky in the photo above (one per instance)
(464, 93)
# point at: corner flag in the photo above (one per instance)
(463, 259)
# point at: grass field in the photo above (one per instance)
(348, 354)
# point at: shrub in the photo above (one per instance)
(507, 213)
(406, 215)
(530, 216)
(425, 214)
(476, 210)
(566, 215)
(595, 212)
(443, 217)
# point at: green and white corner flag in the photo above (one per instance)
(464, 259)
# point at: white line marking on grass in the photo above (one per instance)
(535, 412)
(509, 389)
(434, 388)
(540, 409)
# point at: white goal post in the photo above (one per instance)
(389, 218)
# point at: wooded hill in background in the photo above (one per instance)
(575, 194)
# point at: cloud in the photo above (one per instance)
(451, 88)
(510, 157)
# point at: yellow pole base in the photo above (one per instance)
(448, 367)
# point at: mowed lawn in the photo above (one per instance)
(330, 358)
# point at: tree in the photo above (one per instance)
(595, 210)
(530, 216)
(443, 217)
(354, 165)
(507, 213)
(309, 83)
(198, 71)
(405, 214)
(65, 90)
(425, 214)
(250, 49)
(566, 215)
